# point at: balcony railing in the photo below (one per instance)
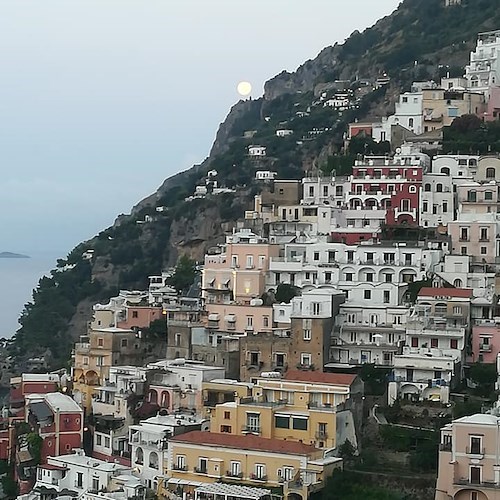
(313, 405)
(253, 429)
(321, 435)
(485, 347)
(258, 477)
(474, 450)
(233, 474)
(445, 447)
(179, 467)
(465, 481)
(200, 470)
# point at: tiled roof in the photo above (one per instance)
(445, 292)
(248, 442)
(320, 377)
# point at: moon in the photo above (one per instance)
(244, 89)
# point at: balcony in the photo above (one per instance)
(464, 481)
(258, 477)
(321, 435)
(475, 451)
(82, 348)
(200, 470)
(251, 429)
(233, 474)
(313, 405)
(445, 447)
(177, 467)
(485, 347)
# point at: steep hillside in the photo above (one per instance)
(422, 39)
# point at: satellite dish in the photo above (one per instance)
(398, 151)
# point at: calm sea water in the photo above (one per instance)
(18, 278)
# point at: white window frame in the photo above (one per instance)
(305, 359)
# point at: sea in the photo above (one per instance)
(18, 279)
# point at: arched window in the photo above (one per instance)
(439, 188)
(490, 173)
(457, 283)
(139, 456)
(445, 170)
(411, 121)
(153, 460)
(153, 396)
(427, 188)
(472, 163)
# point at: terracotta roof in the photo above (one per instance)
(52, 467)
(320, 377)
(248, 442)
(445, 292)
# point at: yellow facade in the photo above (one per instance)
(283, 409)
(218, 392)
(294, 472)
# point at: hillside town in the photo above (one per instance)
(252, 384)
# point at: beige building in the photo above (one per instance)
(488, 169)
(96, 353)
(442, 106)
(475, 235)
(469, 458)
(293, 470)
(301, 406)
(478, 197)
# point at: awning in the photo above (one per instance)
(213, 317)
(234, 490)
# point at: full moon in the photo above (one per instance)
(244, 89)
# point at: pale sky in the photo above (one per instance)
(101, 100)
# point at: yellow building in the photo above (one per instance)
(300, 407)
(96, 353)
(221, 391)
(294, 469)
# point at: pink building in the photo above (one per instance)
(469, 455)
(485, 341)
(236, 272)
(139, 316)
(493, 112)
(240, 319)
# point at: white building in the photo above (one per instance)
(265, 175)
(408, 114)
(483, 71)
(257, 151)
(82, 475)
(436, 200)
(283, 132)
(148, 442)
(421, 374)
(325, 190)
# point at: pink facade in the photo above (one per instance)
(493, 112)
(238, 273)
(140, 317)
(474, 236)
(240, 319)
(485, 342)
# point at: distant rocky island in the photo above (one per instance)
(12, 255)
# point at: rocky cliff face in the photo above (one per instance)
(418, 41)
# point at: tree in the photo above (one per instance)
(285, 293)
(184, 274)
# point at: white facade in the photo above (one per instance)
(324, 190)
(256, 151)
(421, 374)
(148, 442)
(436, 200)
(283, 132)
(483, 71)
(80, 474)
(408, 114)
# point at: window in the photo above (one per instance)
(254, 358)
(368, 294)
(100, 342)
(350, 256)
(260, 471)
(484, 250)
(434, 343)
(464, 234)
(316, 256)
(484, 234)
(389, 258)
(425, 206)
(79, 479)
(475, 445)
(387, 296)
(280, 359)
(348, 276)
(475, 475)
(409, 374)
(282, 422)
(180, 462)
(445, 207)
(227, 415)
(439, 188)
(463, 250)
(316, 308)
(177, 339)
(427, 188)
(99, 361)
(234, 261)
(262, 261)
(452, 112)
(95, 484)
(412, 189)
(472, 196)
(299, 423)
(369, 257)
(388, 278)
(305, 359)
(490, 173)
(202, 465)
(453, 344)
(325, 190)
(253, 422)
(405, 205)
(98, 439)
(124, 342)
(249, 262)
(286, 473)
(249, 320)
(307, 334)
(235, 470)
(311, 190)
(369, 277)
(135, 314)
(225, 429)
(414, 341)
(106, 441)
(139, 456)
(153, 460)
(457, 310)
